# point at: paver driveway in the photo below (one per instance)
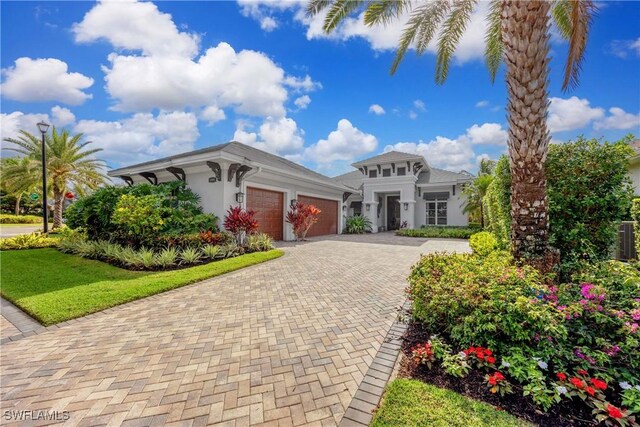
(282, 343)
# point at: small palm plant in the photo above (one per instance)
(190, 256)
(166, 257)
(211, 251)
(357, 225)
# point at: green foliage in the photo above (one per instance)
(139, 218)
(20, 219)
(189, 256)
(497, 205)
(64, 287)
(635, 214)
(167, 257)
(211, 251)
(259, 242)
(477, 189)
(450, 231)
(28, 241)
(483, 243)
(357, 224)
(589, 192)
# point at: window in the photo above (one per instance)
(373, 174)
(386, 172)
(402, 171)
(436, 212)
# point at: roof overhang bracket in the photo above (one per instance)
(393, 167)
(127, 179)
(345, 196)
(217, 171)
(150, 176)
(379, 168)
(241, 172)
(233, 168)
(178, 173)
(417, 167)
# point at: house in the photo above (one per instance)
(235, 174)
(634, 167)
(396, 188)
(393, 187)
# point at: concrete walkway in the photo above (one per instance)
(282, 343)
(14, 322)
(15, 230)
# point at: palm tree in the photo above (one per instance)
(20, 175)
(69, 164)
(475, 192)
(518, 34)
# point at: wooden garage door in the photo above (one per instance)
(328, 220)
(269, 209)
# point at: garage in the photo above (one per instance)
(328, 220)
(269, 210)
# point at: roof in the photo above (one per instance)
(635, 144)
(351, 179)
(239, 149)
(390, 157)
(434, 175)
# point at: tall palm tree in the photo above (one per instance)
(518, 34)
(20, 175)
(475, 192)
(69, 164)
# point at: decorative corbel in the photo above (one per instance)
(217, 171)
(232, 171)
(240, 173)
(178, 173)
(150, 176)
(127, 179)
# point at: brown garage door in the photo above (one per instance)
(328, 219)
(269, 209)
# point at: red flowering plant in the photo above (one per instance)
(611, 415)
(480, 356)
(423, 354)
(302, 217)
(211, 238)
(497, 383)
(240, 222)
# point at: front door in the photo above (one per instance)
(393, 212)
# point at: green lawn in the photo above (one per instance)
(54, 287)
(413, 403)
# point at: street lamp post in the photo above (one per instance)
(43, 127)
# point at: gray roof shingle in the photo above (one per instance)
(391, 156)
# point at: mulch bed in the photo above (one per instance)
(474, 386)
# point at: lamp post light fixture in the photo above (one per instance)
(406, 206)
(43, 127)
(368, 207)
(240, 197)
(293, 202)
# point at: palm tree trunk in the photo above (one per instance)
(18, 197)
(525, 32)
(58, 198)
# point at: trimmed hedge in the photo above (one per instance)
(20, 219)
(448, 232)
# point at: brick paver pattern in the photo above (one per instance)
(282, 343)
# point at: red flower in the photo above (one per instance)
(561, 376)
(480, 355)
(577, 382)
(498, 376)
(493, 380)
(599, 384)
(491, 360)
(613, 411)
(590, 391)
(488, 352)
(582, 372)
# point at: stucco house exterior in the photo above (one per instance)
(394, 188)
(389, 188)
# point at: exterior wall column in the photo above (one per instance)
(409, 214)
(372, 214)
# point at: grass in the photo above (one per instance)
(414, 403)
(450, 232)
(54, 287)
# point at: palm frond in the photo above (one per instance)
(561, 13)
(452, 30)
(494, 50)
(338, 11)
(423, 24)
(385, 11)
(314, 7)
(582, 12)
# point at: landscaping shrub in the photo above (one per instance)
(450, 231)
(20, 219)
(635, 215)
(357, 225)
(240, 223)
(211, 238)
(28, 241)
(259, 242)
(497, 204)
(483, 243)
(589, 192)
(302, 217)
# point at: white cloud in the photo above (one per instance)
(302, 102)
(135, 25)
(419, 105)
(212, 114)
(413, 115)
(48, 79)
(276, 135)
(304, 84)
(62, 116)
(142, 136)
(622, 48)
(11, 123)
(376, 109)
(618, 119)
(487, 134)
(345, 143)
(482, 104)
(572, 113)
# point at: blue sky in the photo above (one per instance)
(145, 80)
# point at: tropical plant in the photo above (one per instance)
(302, 217)
(518, 33)
(483, 243)
(497, 205)
(20, 219)
(475, 191)
(69, 164)
(259, 242)
(358, 225)
(166, 257)
(27, 241)
(240, 222)
(635, 214)
(231, 250)
(189, 256)
(20, 176)
(211, 251)
(147, 257)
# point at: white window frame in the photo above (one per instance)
(436, 218)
